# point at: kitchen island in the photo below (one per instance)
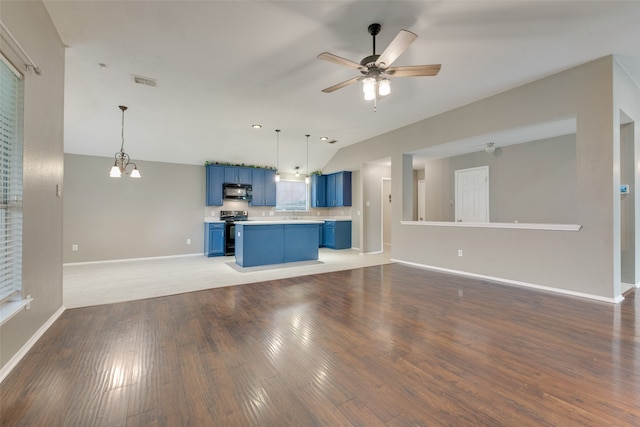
(276, 242)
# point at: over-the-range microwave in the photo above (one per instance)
(236, 191)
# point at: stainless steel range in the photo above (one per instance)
(229, 218)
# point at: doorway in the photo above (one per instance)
(628, 261)
(386, 214)
(421, 201)
(472, 194)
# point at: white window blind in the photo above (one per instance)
(11, 107)
(292, 196)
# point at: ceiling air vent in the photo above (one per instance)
(148, 81)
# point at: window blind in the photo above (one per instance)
(11, 107)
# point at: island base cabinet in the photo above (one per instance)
(302, 242)
(275, 244)
(259, 245)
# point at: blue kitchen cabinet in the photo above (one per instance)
(321, 236)
(257, 188)
(318, 191)
(343, 188)
(332, 190)
(214, 180)
(301, 242)
(269, 187)
(237, 175)
(263, 182)
(263, 243)
(337, 234)
(214, 239)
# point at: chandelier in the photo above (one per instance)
(122, 161)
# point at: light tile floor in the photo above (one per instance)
(111, 282)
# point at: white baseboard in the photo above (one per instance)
(131, 259)
(6, 369)
(615, 300)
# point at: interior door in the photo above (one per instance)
(472, 194)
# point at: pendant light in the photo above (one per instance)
(307, 178)
(122, 160)
(277, 155)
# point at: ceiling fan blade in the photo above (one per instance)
(339, 60)
(413, 70)
(341, 85)
(396, 48)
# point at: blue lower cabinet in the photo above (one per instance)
(337, 234)
(264, 244)
(213, 239)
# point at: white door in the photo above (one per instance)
(472, 194)
(421, 206)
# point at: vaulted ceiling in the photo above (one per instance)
(222, 66)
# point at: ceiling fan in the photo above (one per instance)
(376, 69)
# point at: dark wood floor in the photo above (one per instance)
(380, 346)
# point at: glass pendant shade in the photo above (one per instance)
(115, 172)
(135, 173)
(384, 87)
(369, 88)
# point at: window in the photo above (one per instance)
(292, 196)
(11, 106)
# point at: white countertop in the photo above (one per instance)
(280, 220)
(290, 221)
(212, 219)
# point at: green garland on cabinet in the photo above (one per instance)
(238, 165)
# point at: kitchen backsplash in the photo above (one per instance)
(264, 213)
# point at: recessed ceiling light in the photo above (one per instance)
(323, 138)
(256, 126)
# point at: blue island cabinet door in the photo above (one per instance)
(301, 242)
(259, 244)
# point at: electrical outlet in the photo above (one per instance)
(28, 302)
(459, 252)
(270, 213)
(188, 241)
(74, 247)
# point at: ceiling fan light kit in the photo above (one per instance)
(376, 69)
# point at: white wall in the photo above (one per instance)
(43, 165)
(585, 262)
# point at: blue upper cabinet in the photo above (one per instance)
(237, 175)
(263, 182)
(332, 190)
(318, 191)
(269, 187)
(343, 188)
(215, 175)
